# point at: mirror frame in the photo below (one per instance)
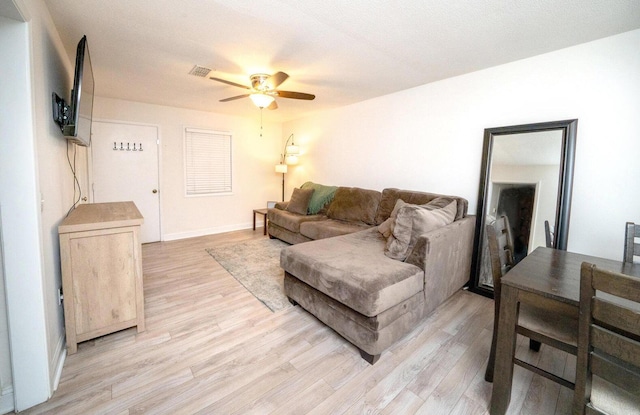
(565, 184)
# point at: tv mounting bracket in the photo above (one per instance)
(61, 111)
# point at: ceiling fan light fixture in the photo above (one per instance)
(261, 100)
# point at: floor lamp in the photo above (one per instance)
(288, 156)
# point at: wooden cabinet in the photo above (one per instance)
(101, 261)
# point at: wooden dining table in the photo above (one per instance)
(547, 278)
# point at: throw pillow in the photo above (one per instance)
(321, 196)
(299, 202)
(413, 221)
(386, 227)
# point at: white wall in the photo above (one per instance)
(254, 159)
(430, 137)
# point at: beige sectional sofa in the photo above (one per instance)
(353, 278)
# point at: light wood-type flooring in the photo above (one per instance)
(211, 348)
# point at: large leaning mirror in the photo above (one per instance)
(527, 174)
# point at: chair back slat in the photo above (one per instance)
(613, 315)
(613, 344)
(615, 372)
(622, 285)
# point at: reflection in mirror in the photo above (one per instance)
(523, 186)
(526, 175)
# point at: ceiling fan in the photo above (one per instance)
(263, 90)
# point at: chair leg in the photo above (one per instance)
(534, 345)
(488, 374)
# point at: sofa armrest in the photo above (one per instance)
(445, 256)
(282, 205)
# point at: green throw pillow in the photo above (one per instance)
(321, 196)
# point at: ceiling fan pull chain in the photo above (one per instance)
(260, 122)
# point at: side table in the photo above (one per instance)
(262, 212)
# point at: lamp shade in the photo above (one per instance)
(261, 100)
(281, 168)
(293, 149)
(291, 159)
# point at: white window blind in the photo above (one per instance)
(207, 162)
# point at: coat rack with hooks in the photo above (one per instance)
(129, 146)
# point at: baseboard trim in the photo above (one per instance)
(7, 403)
(211, 231)
(58, 360)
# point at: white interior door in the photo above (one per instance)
(125, 167)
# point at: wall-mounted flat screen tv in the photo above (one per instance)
(74, 118)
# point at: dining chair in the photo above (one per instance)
(548, 235)
(631, 247)
(608, 362)
(539, 325)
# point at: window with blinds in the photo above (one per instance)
(207, 162)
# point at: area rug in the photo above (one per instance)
(256, 265)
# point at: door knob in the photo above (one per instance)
(154, 191)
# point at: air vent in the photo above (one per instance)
(200, 71)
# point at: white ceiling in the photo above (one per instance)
(341, 51)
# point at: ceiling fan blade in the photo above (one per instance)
(234, 98)
(224, 81)
(276, 79)
(273, 106)
(295, 95)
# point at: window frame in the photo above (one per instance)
(187, 152)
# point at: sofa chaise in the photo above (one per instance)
(374, 264)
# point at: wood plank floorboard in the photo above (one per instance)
(212, 348)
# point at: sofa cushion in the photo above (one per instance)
(329, 228)
(391, 195)
(322, 195)
(289, 220)
(353, 270)
(415, 220)
(355, 205)
(299, 202)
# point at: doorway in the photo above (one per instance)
(516, 202)
(125, 166)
